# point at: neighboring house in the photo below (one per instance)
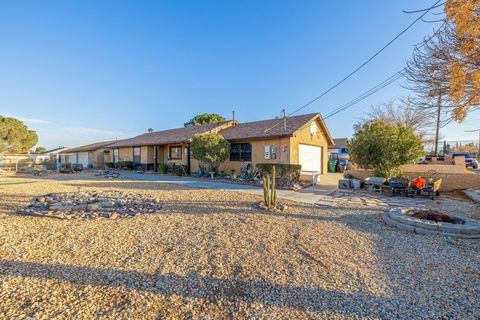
(337, 145)
(296, 140)
(49, 155)
(90, 156)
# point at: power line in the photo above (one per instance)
(367, 61)
(361, 66)
(366, 94)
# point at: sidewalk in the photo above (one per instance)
(328, 184)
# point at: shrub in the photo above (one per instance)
(162, 168)
(109, 164)
(180, 170)
(384, 147)
(211, 149)
(290, 172)
(125, 165)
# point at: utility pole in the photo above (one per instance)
(437, 131)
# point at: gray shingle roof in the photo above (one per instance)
(90, 147)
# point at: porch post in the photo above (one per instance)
(188, 159)
(155, 157)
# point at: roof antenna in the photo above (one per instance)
(284, 120)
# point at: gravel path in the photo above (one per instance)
(211, 254)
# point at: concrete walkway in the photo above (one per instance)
(328, 184)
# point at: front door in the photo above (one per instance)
(136, 156)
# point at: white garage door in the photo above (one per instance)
(310, 158)
(83, 159)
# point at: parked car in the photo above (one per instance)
(469, 160)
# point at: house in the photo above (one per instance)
(338, 143)
(300, 139)
(90, 155)
(49, 155)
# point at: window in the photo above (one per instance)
(175, 153)
(115, 155)
(241, 152)
(136, 155)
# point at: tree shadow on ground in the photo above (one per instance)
(194, 285)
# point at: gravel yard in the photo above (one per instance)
(210, 254)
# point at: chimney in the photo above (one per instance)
(233, 117)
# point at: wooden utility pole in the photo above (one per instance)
(437, 131)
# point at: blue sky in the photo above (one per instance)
(83, 71)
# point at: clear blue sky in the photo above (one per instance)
(84, 71)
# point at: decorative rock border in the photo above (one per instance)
(90, 205)
(400, 219)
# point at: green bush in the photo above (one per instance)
(162, 168)
(125, 165)
(290, 172)
(210, 149)
(109, 164)
(384, 147)
(180, 170)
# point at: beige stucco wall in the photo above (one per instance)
(125, 154)
(304, 136)
(146, 154)
(450, 181)
(258, 153)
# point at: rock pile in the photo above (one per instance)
(90, 205)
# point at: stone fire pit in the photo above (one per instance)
(403, 219)
(92, 205)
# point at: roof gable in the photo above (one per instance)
(273, 128)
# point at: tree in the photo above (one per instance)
(211, 149)
(427, 76)
(204, 118)
(464, 66)
(40, 149)
(384, 147)
(403, 114)
(15, 136)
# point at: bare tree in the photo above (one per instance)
(428, 77)
(400, 112)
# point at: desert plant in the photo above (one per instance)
(162, 168)
(251, 174)
(269, 191)
(234, 175)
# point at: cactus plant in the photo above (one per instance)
(273, 197)
(269, 191)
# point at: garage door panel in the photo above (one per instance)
(310, 157)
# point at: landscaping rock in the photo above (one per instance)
(92, 204)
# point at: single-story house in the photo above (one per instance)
(300, 139)
(90, 155)
(49, 155)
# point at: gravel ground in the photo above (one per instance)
(210, 254)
